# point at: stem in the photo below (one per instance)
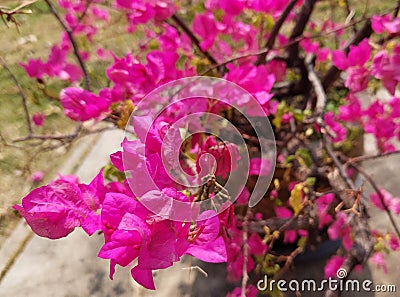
(245, 231)
(380, 196)
(73, 42)
(299, 28)
(193, 38)
(275, 30)
(21, 92)
(318, 88)
(373, 157)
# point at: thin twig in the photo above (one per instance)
(17, 10)
(80, 18)
(22, 94)
(79, 131)
(371, 181)
(73, 42)
(274, 32)
(337, 163)
(193, 38)
(396, 10)
(301, 23)
(318, 88)
(245, 275)
(373, 157)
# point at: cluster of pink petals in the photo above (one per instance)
(387, 68)
(54, 210)
(235, 245)
(133, 80)
(338, 132)
(38, 118)
(379, 260)
(82, 105)
(130, 230)
(385, 23)
(226, 156)
(74, 10)
(207, 28)
(143, 11)
(380, 119)
(323, 204)
(258, 82)
(354, 61)
(56, 64)
(388, 201)
(333, 265)
(341, 229)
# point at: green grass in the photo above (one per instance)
(37, 33)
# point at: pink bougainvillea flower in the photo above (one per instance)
(386, 68)
(379, 260)
(260, 167)
(206, 243)
(387, 199)
(358, 55)
(309, 46)
(252, 78)
(352, 112)
(338, 130)
(323, 54)
(226, 157)
(53, 211)
(35, 68)
(393, 242)
(357, 79)
(38, 118)
(378, 22)
(37, 176)
(207, 28)
(71, 72)
(82, 105)
(256, 81)
(340, 229)
(383, 23)
(283, 212)
(339, 59)
(323, 203)
(333, 265)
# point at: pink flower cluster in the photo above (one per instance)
(143, 11)
(386, 67)
(130, 230)
(56, 64)
(353, 62)
(81, 16)
(381, 119)
(389, 201)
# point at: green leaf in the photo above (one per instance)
(311, 181)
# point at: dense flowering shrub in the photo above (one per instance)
(302, 76)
